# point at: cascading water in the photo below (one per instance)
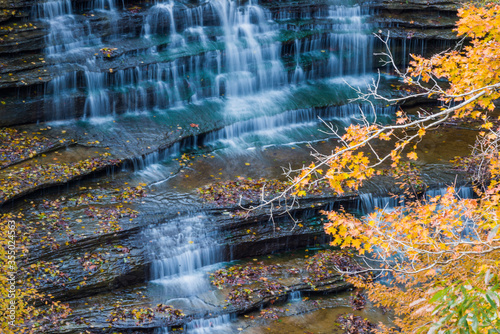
(209, 326)
(183, 253)
(237, 134)
(348, 46)
(295, 296)
(221, 48)
(159, 15)
(252, 57)
(293, 118)
(71, 37)
(67, 34)
(369, 202)
(104, 4)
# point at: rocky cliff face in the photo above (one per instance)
(419, 18)
(58, 57)
(417, 26)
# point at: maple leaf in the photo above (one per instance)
(412, 156)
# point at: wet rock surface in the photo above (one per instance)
(126, 258)
(290, 282)
(419, 21)
(237, 234)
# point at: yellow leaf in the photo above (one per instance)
(412, 156)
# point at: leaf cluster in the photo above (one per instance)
(17, 146)
(235, 275)
(22, 179)
(29, 316)
(230, 192)
(353, 324)
(326, 264)
(144, 315)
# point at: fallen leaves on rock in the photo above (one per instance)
(230, 192)
(241, 274)
(143, 315)
(358, 301)
(321, 266)
(91, 262)
(22, 179)
(353, 324)
(17, 146)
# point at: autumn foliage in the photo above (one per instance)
(25, 179)
(26, 307)
(26, 315)
(440, 255)
(476, 68)
(16, 146)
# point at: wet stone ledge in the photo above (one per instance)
(286, 278)
(125, 258)
(417, 19)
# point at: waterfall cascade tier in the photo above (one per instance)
(67, 59)
(104, 57)
(183, 251)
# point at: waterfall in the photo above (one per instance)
(215, 325)
(98, 102)
(369, 202)
(252, 59)
(70, 37)
(210, 325)
(66, 33)
(220, 48)
(104, 5)
(182, 253)
(63, 89)
(349, 46)
(461, 192)
(52, 9)
(292, 118)
(295, 297)
(160, 20)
